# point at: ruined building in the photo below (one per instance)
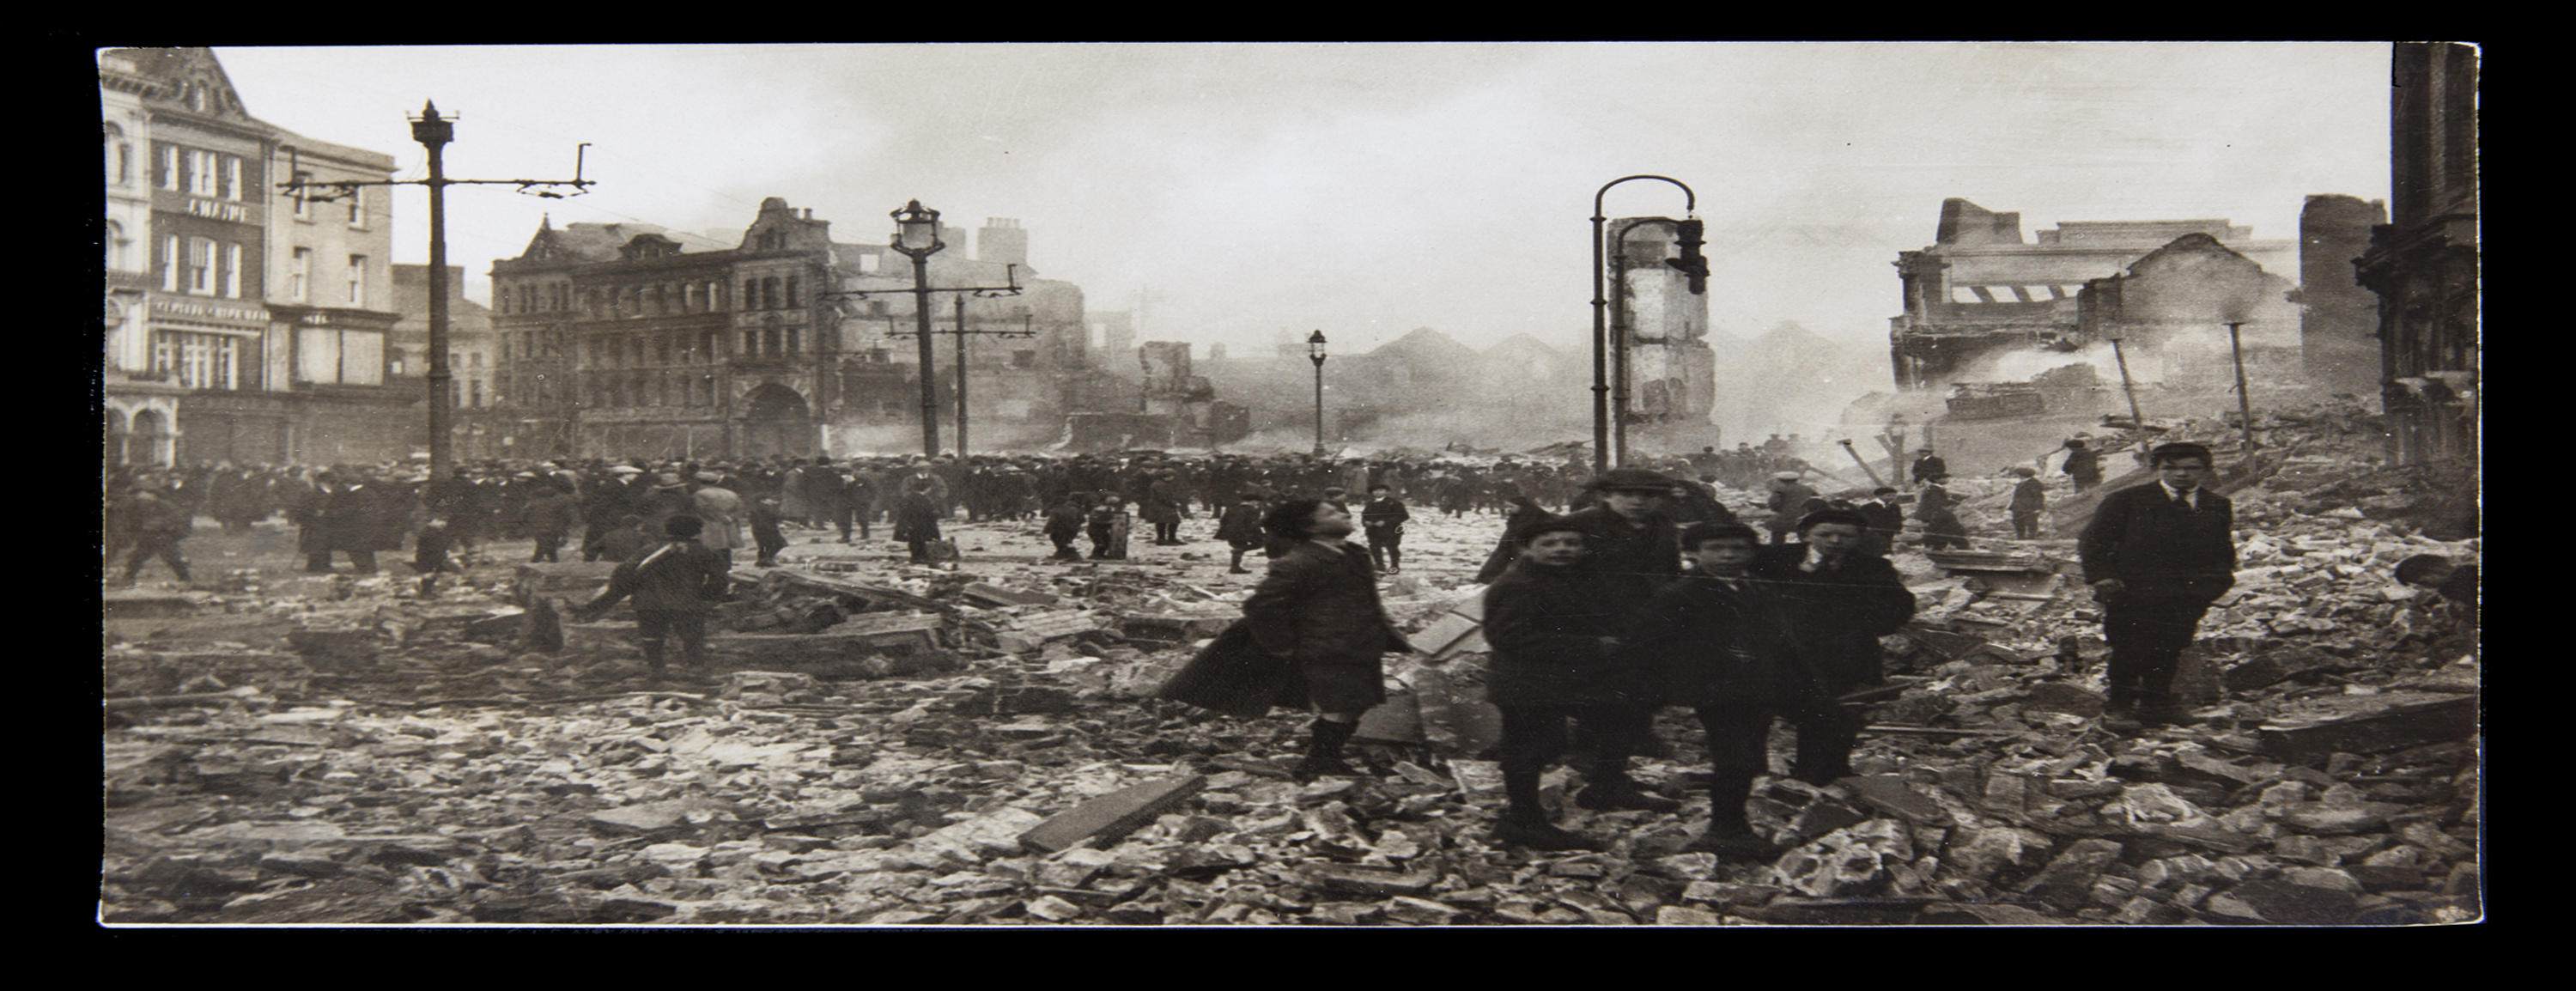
(629, 339)
(2338, 317)
(2171, 308)
(473, 356)
(1980, 288)
(243, 323)
(1662, 327)
(2423, 264)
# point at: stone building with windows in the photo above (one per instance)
(620, 340)
(234, 352)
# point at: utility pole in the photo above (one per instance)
(917, 237)
(961, 332)
(434, 132)
(2137, 420)
(2244, 399)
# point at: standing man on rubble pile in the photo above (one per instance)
(1928, 467)
(674, 585)
(2157, 556)
(2029, 499)
(156, 524)
(1240, 528)
(1382, 522)
(1838, 602)
(1788, 502)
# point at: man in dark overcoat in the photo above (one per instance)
(2157, 555)
(1318, 607)
(1885, 522)
(1240, 528)
(1838, 602)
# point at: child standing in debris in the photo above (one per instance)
(1555, 638)
(1722, 645)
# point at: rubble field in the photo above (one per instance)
(880, 744)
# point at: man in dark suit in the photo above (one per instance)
(2157, 556)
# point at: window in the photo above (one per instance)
(769, 342)
(119, 156)
(769, 293)
(303, 206)
(357, 280)
(711, 347)
(116, 247)
(505, 349)
(232, 177)
(201, 173)
(751, 294)
(792, 347)
(478, 391)
(357, 206)
(299, 276)
(791, 292)
(170, 264)
(196, 361)
(169, 167)
(750, 343)
(232, 271)
(869, 263)
(201, 266)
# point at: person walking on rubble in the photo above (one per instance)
(1721, 643)
(1938, 510)
(1556, 658)
(1838, 602)
(2156, 556)
(674, 586)
(1240, 528)
(156, 524)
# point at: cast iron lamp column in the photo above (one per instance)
(1315, 353)
(917, 236)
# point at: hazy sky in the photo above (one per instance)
(1365, 189)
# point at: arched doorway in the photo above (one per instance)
(149, 439)
(775, 420)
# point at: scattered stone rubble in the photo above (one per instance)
(894, 746)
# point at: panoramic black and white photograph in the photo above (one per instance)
(1291, 485)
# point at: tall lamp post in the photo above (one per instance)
(1315, 353)
(917, 236)
(1601, 321)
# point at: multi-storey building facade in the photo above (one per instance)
(220, 348)
(633, 340)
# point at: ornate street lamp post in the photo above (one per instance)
(1315, 353)
(1601, 344)
(917, 236)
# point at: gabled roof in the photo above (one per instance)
(185, 71)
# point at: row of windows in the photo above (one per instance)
(354, 201)
(200, 266)
(196, 172)
(522, 345)
(658, 299)
(533, 298)
(197, 361)
(300, 279)
(666, 389)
